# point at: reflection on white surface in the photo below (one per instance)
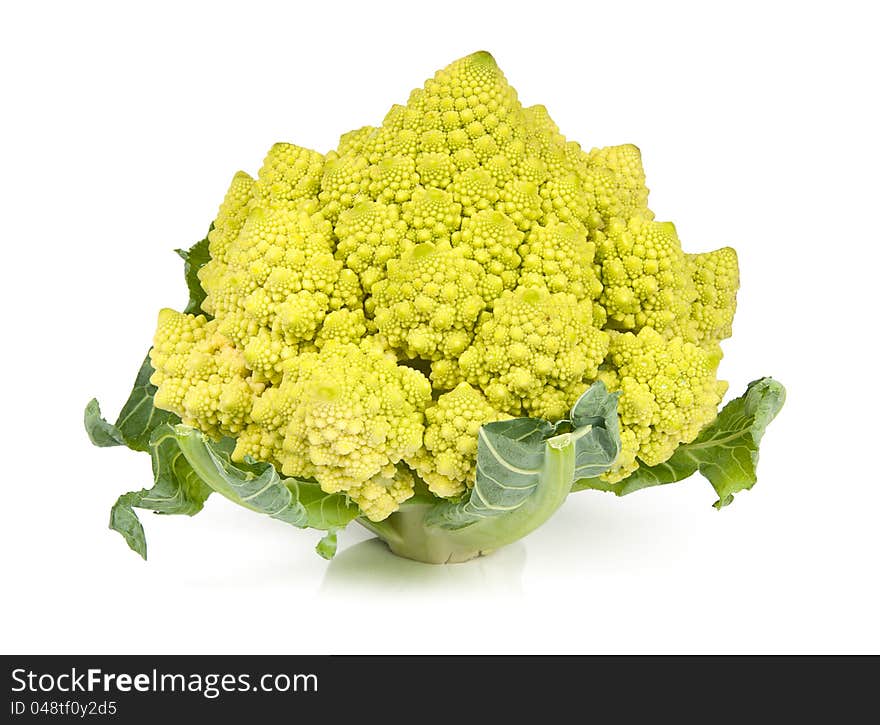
(369, 567)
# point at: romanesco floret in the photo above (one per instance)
(278, 279)
(368, 235)
(521, 201)
(429, 303)
(343, 416)
(716, 277)
(201, 375)
(289, 173)
(492, 239)
(447, 463)
(615, 182)
(431, 215)
(466, 237)
(393, 179)
(645, 276)
(669, 392)
(342, 326)
(475, 190)
(559, 258)
(230, 219)
(354, 140)
(381, 495)
(345, 178)
(565, 198)
(531, 347)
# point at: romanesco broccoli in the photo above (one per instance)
(375, 317)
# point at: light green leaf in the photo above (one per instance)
(194, 258)
(124, 520)
(326, 547)
(257, 486)
(100, 432)
(725, 452)
(176, 490)
(327, 511)
(596, 431)
(510, 462)
(596, 407)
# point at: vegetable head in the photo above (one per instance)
(438, 328)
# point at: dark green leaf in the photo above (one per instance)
(194, 258)
(137, 419)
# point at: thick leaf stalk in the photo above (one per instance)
(416, 531)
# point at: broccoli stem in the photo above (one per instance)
(408, 535)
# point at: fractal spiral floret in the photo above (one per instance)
(374, 324)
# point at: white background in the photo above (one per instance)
(120, 131)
